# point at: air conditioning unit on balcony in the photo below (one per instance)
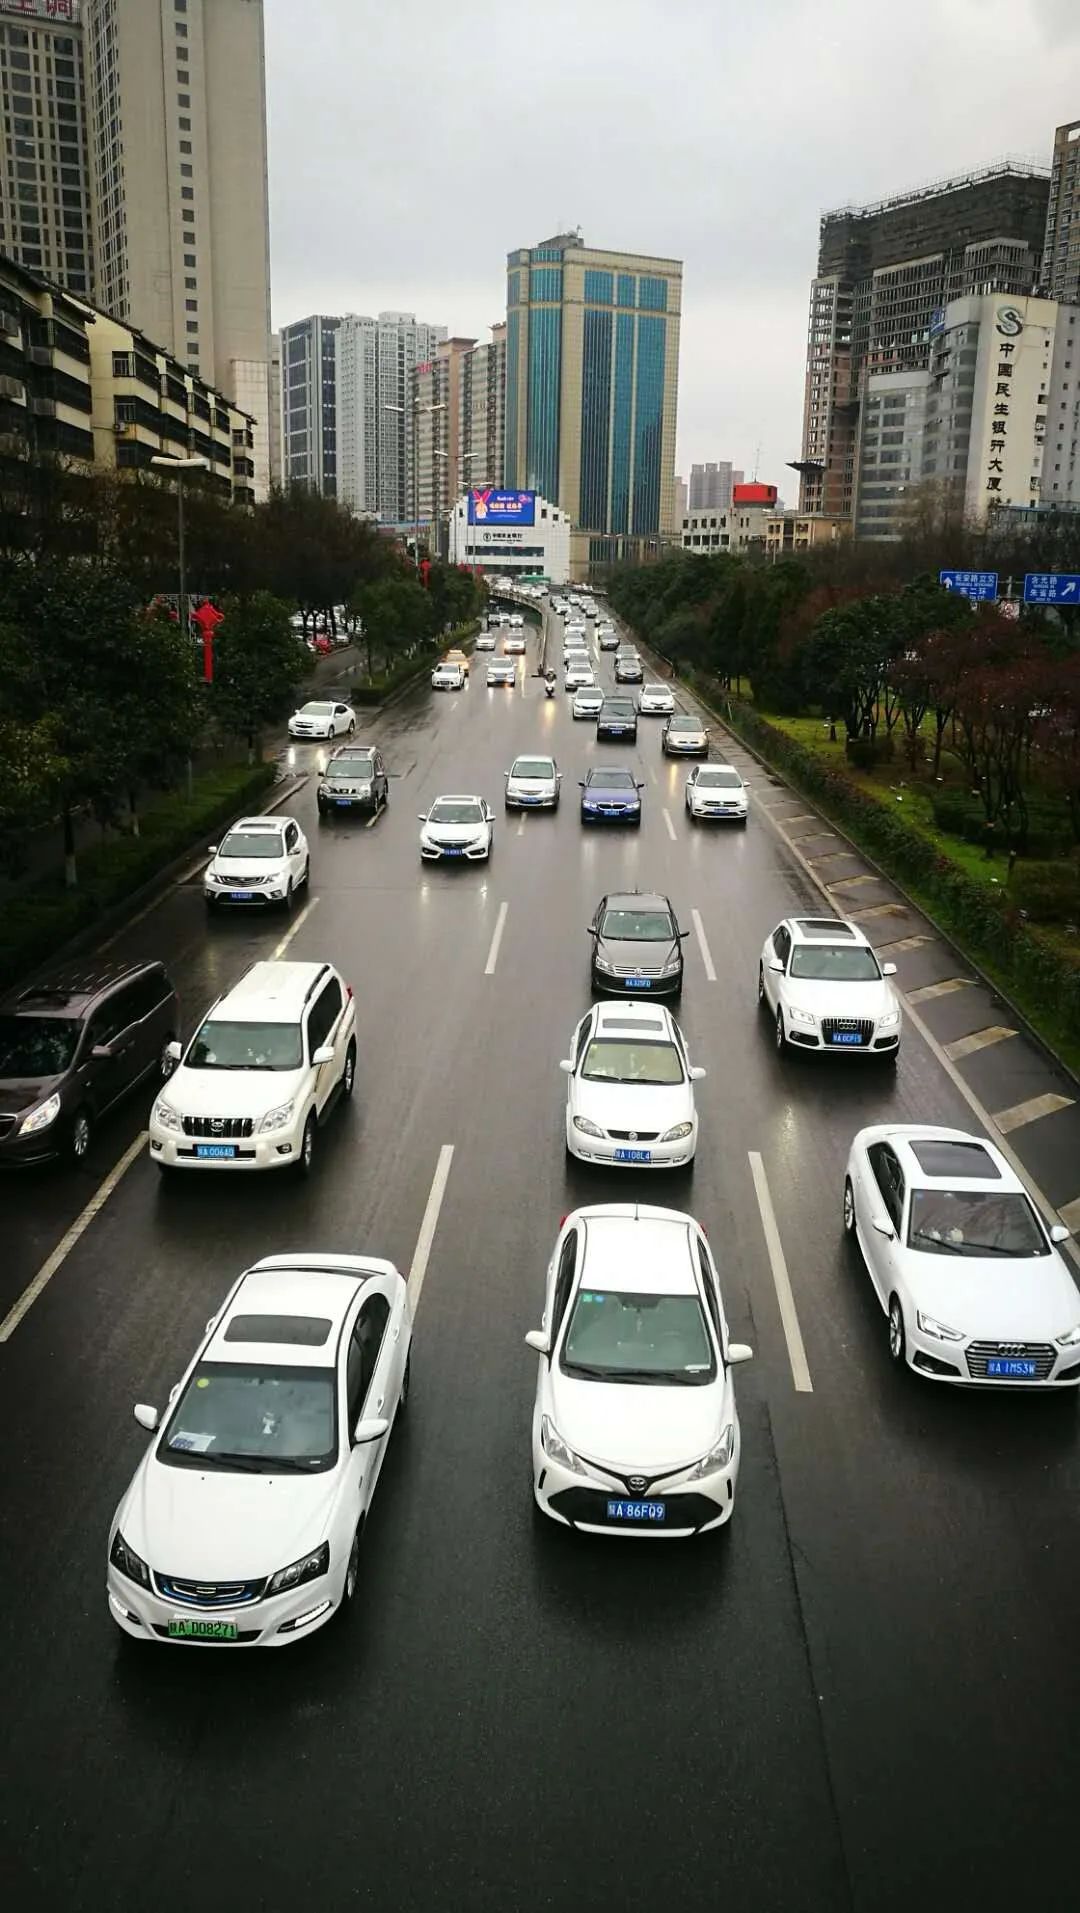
(39, 354)
(10, 325)
(124, 428)
(12, 388)
(43, 408)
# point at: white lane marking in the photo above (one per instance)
(521, 824)
(67, 1242)
(296, 924)
(493, 953)
(982, 1039)
(1032, 1111)
(652, 773)
(422, 1251)
(930, 991)
(703, 946)
(800, 1373)
(670, 826)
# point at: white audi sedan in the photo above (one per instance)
(588, 702)
(715, 793)
(243, 1521)
(965, 1268)
(630, 1089)
(457, 827)
(823, 986)
(635, 1429)
(532, 783)
(655, 700)
(322, 719)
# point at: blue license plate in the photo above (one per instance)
(638, 982)
(633, 1155)
(1011, 1368)
(648, 1512)
(216, 1151)
(241, 896)
(851, 1037)
(530, 800)
(453, 853)
(343, 803)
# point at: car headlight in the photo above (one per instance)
(41, 1117)
(212, 877)
(939, 1330)
(128, 1562)
(308, 1568)
(554, 1445)
(802, 1016)
(602, 963)
(633, 803)
(889, 1020)
(718, 1456)
(676, 1135)
(165, 1116)
(672, 966)
(1070, 1340)
(275, 1118)
(586, 1127)
(587, 804)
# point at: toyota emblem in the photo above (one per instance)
(216, 1125)
(638, 1483)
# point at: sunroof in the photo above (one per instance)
(956, 1159)
(624, 1023)
(825, 927)
(299, 1331)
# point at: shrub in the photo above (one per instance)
(1047, 892)
(867, 752)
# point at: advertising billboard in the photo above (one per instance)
(63, 10)
(490, 507)
(753, 494)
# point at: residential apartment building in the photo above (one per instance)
(45, 217)
(177, 148)
(308, 361)
(592, 363)
(1061, 251)
(75, 382)
(1060, 487)
(710, 486)
(682, 499)
(484, 412)
(376, 411)
(885, 274)
(439, 409)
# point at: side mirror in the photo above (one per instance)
(174, 1051)
(739, 1352)
(581, 783)
(888, 969)
(506, 773)
(146, 1416)
(641, 786)
(682, 935)
(212, 848)
(776, 964)
(567, 1067)
(371, 1429)
(101, 1052)
(1059, 1233)
(883, 1226)
(538, 1339)
(421, 816)
(324, 1054)
(697, 1072)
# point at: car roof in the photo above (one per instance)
(826, 930)
(70, 991)
(273, 991)
(457, 797)
(639, 1249)
(352, 750)
(685, 717)
(648, 1022)
(934, 1157)
(318, 1294)
(260, 823)
(636, 900)
(597, 773)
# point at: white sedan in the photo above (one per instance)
(655, 700)
(457, 827)
(717, 793)
(635, 1428)
(514, 646)
(588, 702)
(532, 783)
(580, 675)
(448, 677)
(966, 1270)
(501, 671)
(242, 1523)
(323, 718)
(630, 1089)
(485, 641)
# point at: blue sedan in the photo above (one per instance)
(611, 796)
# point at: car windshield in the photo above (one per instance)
(684, 724)
(36, 1045)
(618, 1061)
(245, 1046)
(638, 926)
(361, 766)
(252, 843)
(610, 780)
(974, 1222)
(831, 963)
(617, 1337)
(719, 780)
(618, 707)
(533, 767)
(456, 811)
(253, 1420)
(316, 710)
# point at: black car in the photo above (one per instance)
(618, 718)
(637, 945)
(72, 1046)
(628, 671)
(355, 778)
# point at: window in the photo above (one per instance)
(190, 286)
(184, 125)
(185, 146)
(191, 305)
(193, 325)
(188, 216)
(189, 259)
(187, 172)
(183, 99)
(563, 1282)
(187, 192)
(181, 29)
(324, 1015)
(183, 76)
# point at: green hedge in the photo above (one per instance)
(1027, 962)
(1048, 892)
(376, 690)
(44, 918)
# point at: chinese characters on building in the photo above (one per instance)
(43, 9)
(1002, 396)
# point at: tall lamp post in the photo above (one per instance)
(416, 411)
(180, 467)
(465, 457)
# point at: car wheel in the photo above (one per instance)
(288, 903)
(348, 1074)
(323, 811)
(849, 1207)
(352, 727)
(406, 1380)
(781, 1039)
(897, 1338)
(352, 1570)
(166, 1063)
(80, 1135)
(307, 1147)
(762, 1003)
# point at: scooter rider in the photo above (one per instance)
(549, 682)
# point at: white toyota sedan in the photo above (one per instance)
(322, 719)
(630, 1089)
(823, 986)
(716, 793)
(967, 1272)
(243, 1521)
(655, 700)
(456, 827)
(532, 783)
(635, 1429)
(485, 641)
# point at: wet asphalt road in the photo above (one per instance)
(863, 1694)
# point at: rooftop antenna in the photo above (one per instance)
(757, 460)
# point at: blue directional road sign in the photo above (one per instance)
(1052, 587)
(980, 585)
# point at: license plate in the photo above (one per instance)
(453, 853)
(185, 1629)
(638, 982)
(343, 803)
(851, 1037)
(648, 1512)
(530, 800)
(633, 1155)
(216, 1151)
(1011, 1367)
(241, 896)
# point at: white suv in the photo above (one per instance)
(265, 1068)
(260, 861)
(826, 990)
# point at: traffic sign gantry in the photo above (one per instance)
(979, 586)
(1052, 587)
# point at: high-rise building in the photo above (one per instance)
(439, 412)
(275, 409)
(682, 499)
(376, 411)
(484, 412)
(1061, 251)
(45, 220)
(357, 414)
(711, 486)
(177, 97)
(309, 404)
(592, 366)
(885, 274)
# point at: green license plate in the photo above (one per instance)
(191, 1630)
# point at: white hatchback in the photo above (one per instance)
(823, 986)
(242, 1524)
(635, 1429)
(322, 719)
(630, 1089)
(457, 827)
(261, 861)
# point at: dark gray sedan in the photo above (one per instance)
(637, 945)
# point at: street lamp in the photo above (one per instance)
(180, 466)
(416, 411)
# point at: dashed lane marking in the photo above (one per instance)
(982, 1039)
(931, 990)
(493, 953)
(422, 1251)
(1031, 1112)
(789, 1316)
(670, 826)
(294, 928)
(703, 946)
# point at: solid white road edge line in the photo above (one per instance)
(297, 924)
(800, 1373)
(418, 1265)
(67, 1241)
(493, 953)
(670, 826)
(706, 954)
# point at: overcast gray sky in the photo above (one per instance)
(414, 143)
